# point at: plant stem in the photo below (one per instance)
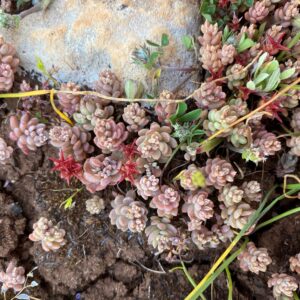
(230, 285)
(277, 218)
(188, 276)
(221, 269)
(169, 160)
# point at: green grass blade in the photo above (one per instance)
(277, 218)
(230, 285)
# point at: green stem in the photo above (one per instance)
(224, 265)
(187, 274)
(281, 197)
(230, 285)
(169, 160)
(296, 297)
(277, 218)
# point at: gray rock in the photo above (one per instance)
(83, 37)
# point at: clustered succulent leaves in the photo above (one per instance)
(202, 201)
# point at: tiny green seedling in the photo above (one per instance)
(183, 123)
(68, 203)
(148, 57)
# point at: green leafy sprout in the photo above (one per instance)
(148, 57)
(185, 129)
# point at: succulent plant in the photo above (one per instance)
(191, 178)
(220, 119)
(236, 215)
(163, 109)
(252, 190)
(294, 144)
(266, 142)
(127, 213)
(166, 202)
(291, 100)
(50, 236)
(191, 150)
(211, 42)
(135, 116)
(295, 263)
(94, 205)
(8, 55)
(160, 234)
(199, 208)
(231, 195)
(267, 75)
(148, 186)
(156, 143)
(228, 52)
(285, 14)
(223, 231)
(295, 122)
(27, 132)
(109, 135)
(108, 85)
(151, 168)
(5, 152)
(210, 95)
(72, 141)
(101, 171)
(204, 238)
(254, 259)
(13, 277)
(241, 136)
(218, 172)
(287, 164)
(283, 285)
(90, 111)
(69, 102)
(7, 77)
(236, 74)
(257, 13)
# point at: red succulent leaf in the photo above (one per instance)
(274, 108)
(67, 167)
(215, 75)
(243, 58)
(128, 171)
(130, 150)
(235, 24)
(273, 46)
(223, 3)
(245, 92)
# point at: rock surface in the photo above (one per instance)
(82, 37)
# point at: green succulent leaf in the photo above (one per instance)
(188, 42)
(153, 44)
(164, 40)
(287, 73)
(260, 62)
(190, 116)
(251, 85)
(133, 89)
(244, 43)
(207, 9)
(261, 77)
(273, 81)
(249, 3)
(226, 34)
